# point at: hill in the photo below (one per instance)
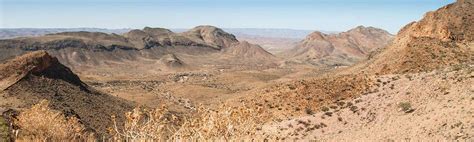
(416, 88)
(442, 38)
(36, 76)
(342, 49)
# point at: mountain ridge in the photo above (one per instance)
(344, 48)
(442, 38)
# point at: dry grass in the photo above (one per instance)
(224, 123)
(40, 123)
(142, 125)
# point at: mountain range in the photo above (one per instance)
(363, 84)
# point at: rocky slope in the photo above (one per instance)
(430, 106)
(442, 38)
(345, 48)
(417, 88)
(36, 76)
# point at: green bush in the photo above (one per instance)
(4, 130)
(405, 107)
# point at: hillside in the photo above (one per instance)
(417, 88)
(342, 49)
(429, 106)
(36, 76)
(206, 84)
(442, 38)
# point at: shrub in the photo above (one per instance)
(328, 113)
(4, 130)
(42, 123)
(309, 111)
(354, 109)
(324, 109)
(162, 125)
(405, 107)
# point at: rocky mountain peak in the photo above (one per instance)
(212, 35)
(441, 38)
(38, 63)
(368, 31)
(453, 22)
(344, 48)
(316, 36)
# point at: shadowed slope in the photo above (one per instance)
(37, 76)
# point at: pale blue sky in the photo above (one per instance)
(328, 15)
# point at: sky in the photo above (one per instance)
(327, 15)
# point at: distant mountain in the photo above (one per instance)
(272, 39)
(268, 32)
(22, 32)
(189, 48)
(274, 45)
(8, 33)
(344, 48)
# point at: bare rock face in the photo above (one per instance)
(345, 48)
(442, 38)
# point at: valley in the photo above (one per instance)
(207, 84)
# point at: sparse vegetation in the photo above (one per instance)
(42, 123)
(247, 92)
(160, 124)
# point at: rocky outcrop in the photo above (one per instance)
(37, 63)
(345, 48)
(442, 38)
(449, 23)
